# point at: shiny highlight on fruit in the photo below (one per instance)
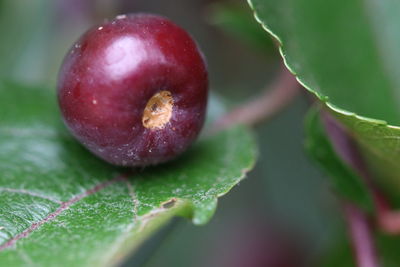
(133, 90)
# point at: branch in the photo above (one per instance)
(273, 99)
(361, 237)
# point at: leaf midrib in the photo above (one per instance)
(66, 205)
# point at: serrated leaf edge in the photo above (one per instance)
(324, 99)
(153, 220)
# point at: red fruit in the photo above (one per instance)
(134, 90)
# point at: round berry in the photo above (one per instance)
(134, 90)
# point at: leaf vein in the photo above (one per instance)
(134, 198)
(64, 206)
(29, 193)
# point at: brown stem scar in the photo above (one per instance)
(158, 111)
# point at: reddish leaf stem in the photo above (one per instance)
(387, 219)
(358, 225)
(273, 99)
(361, 237)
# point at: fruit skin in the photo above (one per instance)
(110, 74)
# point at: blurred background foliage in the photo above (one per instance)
(284, 213)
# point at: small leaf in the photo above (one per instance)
(347, 54)
(61, 206)
(345, 181)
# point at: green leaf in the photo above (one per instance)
(345, 181)
(61, 206)
(238, 22)
(347, 53)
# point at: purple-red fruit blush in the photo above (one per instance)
(134, 90)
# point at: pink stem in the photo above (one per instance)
(387, 218)
(358, 226)
(361, 237)
(273, 99)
